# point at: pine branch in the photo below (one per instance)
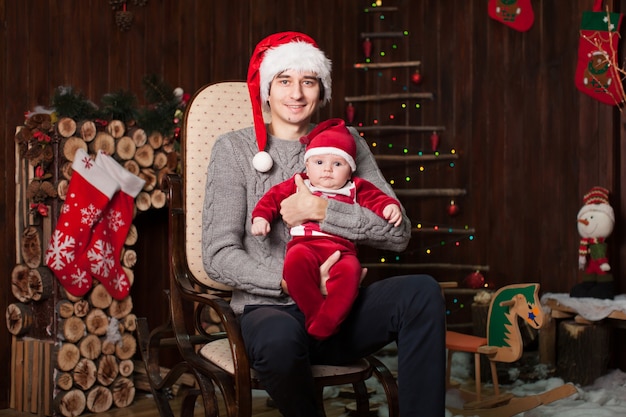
(159, 115)
(69, 103)
(121, 105)
(157, 91)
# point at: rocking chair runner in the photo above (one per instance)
(218, 358)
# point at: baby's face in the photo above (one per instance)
(328, 171)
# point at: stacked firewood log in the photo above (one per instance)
(151, 157)
(94, 364)
(80, 347)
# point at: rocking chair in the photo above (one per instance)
(504, 341)
(215, 354)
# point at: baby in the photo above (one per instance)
(330, 163)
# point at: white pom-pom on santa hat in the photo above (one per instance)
(262, 161)
(277, 53)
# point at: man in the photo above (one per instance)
(289, 76)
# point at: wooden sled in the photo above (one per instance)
(515, 405)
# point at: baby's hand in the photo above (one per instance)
(393, 214)
(260, 226)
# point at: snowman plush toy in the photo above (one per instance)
(595, 223)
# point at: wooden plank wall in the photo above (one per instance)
(530, 144)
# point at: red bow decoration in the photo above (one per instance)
(39, 172)
(41, 208)
(41, 137)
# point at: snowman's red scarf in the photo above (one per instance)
(583, 249)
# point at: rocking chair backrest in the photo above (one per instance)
(215, 109)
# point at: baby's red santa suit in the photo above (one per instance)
(595, 223)
(311, 246)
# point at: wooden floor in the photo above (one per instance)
(144, 406)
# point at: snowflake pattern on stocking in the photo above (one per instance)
(60, 251)
(101, 257)
(87, 161)
(89, 215)
(120, 282)
(79, 278)
(115, 220)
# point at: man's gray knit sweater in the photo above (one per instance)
(253, 265)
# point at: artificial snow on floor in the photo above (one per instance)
(593, 309)
(606, 397)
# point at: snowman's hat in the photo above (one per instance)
(597, 199)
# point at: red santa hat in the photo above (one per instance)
(277, 53)
(331, 137)
(597, 199)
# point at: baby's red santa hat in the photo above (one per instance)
(331, 137)
(277, 53)
(597, 199)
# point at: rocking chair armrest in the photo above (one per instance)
(232, 330)
(225, 313)
(182, 298)
(217, 302)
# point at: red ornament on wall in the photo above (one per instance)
(350, 113)
(367, 47)
(434, 141)
(453, 208)
(474, 280)
(416, 77)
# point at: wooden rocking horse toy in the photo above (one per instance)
(503, 344)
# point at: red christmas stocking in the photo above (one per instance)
(88, 194)
(103, 254)
(517, 14)
(596, 72)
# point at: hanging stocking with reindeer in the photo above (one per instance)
(597, 71)
(517, 14)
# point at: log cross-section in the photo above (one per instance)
(85, 374)
(87, 364)
(19, 318)
(108, 369)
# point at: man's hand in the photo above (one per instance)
(302, 206)
(325, 271)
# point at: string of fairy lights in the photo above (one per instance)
(434, 237)
(443, 236)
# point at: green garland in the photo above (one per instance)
(157, 116)
(69, 103)
(120, 105)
